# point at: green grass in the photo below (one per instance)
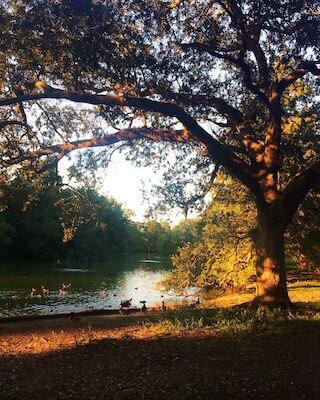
(231, 320)
(305, 294)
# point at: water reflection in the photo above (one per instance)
(63, 287)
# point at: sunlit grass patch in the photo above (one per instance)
(230, 320)
(304, 291)
(36, 343)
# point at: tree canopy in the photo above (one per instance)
(230, 78)
(44, 221)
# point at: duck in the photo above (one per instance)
(66, 285)
(45, 291)
(143, 308)
(126, 303)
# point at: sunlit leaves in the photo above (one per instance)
(222, 255)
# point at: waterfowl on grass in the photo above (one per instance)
(163, 307)
(143, 308)
(126, 303)
(197, 303)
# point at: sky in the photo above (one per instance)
(122, 181)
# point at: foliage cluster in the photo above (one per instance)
(160, 237)
(42, 220)
(237, 79)
(222, 255)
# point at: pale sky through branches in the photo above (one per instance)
(122, 181)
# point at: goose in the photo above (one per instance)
(143, 308)
(197, 303)
(66, 285)
(126, 303)
(45, 291)
(163, 308)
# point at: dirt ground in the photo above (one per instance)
(110, 357)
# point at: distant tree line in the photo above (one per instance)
(41, 219)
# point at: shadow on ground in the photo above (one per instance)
(261, 365)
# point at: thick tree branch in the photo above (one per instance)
(234, 116)
(62, 149)
(3, 124)
(301, 70)
(296, 190)
(218, 152)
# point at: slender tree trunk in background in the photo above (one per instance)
(268, 238)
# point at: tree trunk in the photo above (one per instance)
(271, 290)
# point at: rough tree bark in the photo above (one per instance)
(268, 239)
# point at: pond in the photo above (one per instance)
(53, 287)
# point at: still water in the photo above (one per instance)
(53, 287)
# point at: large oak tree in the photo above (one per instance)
(224, 76)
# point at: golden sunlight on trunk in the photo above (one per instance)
(271, 276)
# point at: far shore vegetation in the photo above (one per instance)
(42, 220)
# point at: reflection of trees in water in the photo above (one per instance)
(134, 279)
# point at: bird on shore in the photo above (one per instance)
(163, 307)
(74, 318)
(143, 308)
(126, 303)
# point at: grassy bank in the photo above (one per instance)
(216, 352)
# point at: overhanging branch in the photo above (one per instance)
(62, 149)
(301, 70)
(296, 190)
(193, 131)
